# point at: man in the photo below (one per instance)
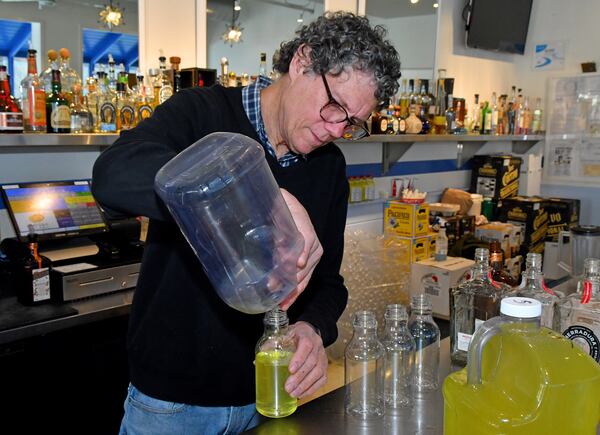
(190, 354)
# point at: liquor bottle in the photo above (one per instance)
(424, 108)
(404, 100)
(274, 352)
(510, 116)
(494, 115)
(412, 98)
(580, 311)
(124, 106)
(476, 116)
(473, 302)
(518, 108)
(11, 117)
(80, 116)
(486, 118)
(499, 273)
(502, 115)
(162, 85)
(34, 277)
(46, 75)
(536, 122)
(533, 286)
(363, 369)
(224, 79)
(68, 76)
(112, 76)
(399, 360)
(413, 123)
(175, 62)
(91, 102)
(525, 118)
(450, 116)
(58, 114)
(143, 105)
(427, 343)
(33, 98)
(107, 113)
(262, 65)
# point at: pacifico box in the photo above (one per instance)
(440, 277)
(495, 176)
(417, 247)
(563, 214)
(407, 220)
(531, 215)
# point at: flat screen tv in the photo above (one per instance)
(498, 25)
(53, 210)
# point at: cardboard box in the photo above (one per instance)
(417, 247)
(531, 215)
(407, 220)
(500, 231)
(563, 214)
(495, 176)
(440, 277)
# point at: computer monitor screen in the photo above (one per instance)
(53, 210)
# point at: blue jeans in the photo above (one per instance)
(145, 415)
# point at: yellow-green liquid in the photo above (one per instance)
(271, 373)
(532, 384)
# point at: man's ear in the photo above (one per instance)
(301, 61)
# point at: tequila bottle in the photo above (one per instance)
(80, 116)
(46, 75)
(536, 122)
(162, 85)
(68, 76)
(262, 65)
(33, 100)
(124, 105)
(92, 103)
(473, 302)
(533, 286)
(580, 311)
(107, 113)
(143, 103)
(450, 116)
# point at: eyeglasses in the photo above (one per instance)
(334, 113)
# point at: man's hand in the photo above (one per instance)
(308, 367)
(312, 252)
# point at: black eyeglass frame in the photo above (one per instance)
(353, 125)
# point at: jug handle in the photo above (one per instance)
(561, 237)
(483, 334)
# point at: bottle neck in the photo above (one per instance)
(33, 248)
(276, 329)
(481, 271)
(31, 65)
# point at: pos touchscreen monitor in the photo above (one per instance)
(53, 210)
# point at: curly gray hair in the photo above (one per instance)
(339, 40)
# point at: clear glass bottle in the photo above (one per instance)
(124, 105)
(274, 351)
(163, 89)
(262, 65)
(399, 359)
(476, 117)
(46, 75)
(143, 103)
(92, 103)
(427, 339)
(533, 286)
(450, 116)
(80, 116)
(441, 245)
(413, 123)
(33, 98)
(536, 122)
(494, 115)
(68, 75)
(580, 311)
(473, 302)
(363, 369)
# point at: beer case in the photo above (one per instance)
(563, 213)
(531, 215)
(495, 176)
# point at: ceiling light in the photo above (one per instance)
(414, 1)
(435, 5)
(300, 19)
(111, 16)
(237, 6)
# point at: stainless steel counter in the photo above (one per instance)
(325, 415)
(88, 310)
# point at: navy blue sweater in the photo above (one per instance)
(184, 343)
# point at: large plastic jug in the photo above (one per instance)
(228, 206)
(522, 379)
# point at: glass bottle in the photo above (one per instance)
(473, 302)
(34, 277)
(533, 286)
(525, 118)
(499, 273)
(441, 245)
(510, 116)
(107, 113)
(399, 359)
(363, 369)
(450, 116)
(274, 351)
(580, 311)
(162, 85)
(427, 340)
(413, 123)
(494, 115)
(11, 117)
(143, 104)
(33, 98)
(46, 75)
(112, 77)
(175, 62)
(262, 65)
(58, 114)
(486, 118)
(124, 105)
(68, 76)
(404, 100)
(425, 105)
(91, 101)
(80, 116)
(536, 122)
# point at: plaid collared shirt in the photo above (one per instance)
(251, 103)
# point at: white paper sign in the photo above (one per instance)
(549, 56)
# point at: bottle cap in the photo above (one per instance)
(175, 59)
(65, 53)
(52, 54)
(525, 308)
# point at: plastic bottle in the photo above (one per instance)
(274, 351)
(521, 379)
(363, 369)
(441, 245)
(399, 360)
(427, 339)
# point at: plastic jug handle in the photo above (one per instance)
(483, 334)
(561, 237)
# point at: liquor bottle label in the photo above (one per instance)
(127, 117)
(41, 284)
(60, 117)
(463, 341)
(383, 125)
(10, 121)
(164, 93)
(108, 117)
(38, 107)
(585, 338)
(144, 111)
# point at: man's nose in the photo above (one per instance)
(335, 129)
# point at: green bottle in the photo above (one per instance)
(58, 114)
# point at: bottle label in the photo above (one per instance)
(463, 341)
(585, 338)
(38, 107)
(144, 111)
(127, 117)
(402, 126)
(10, 121)
(60, 117)
(164, 93)
(383, 125)
(108, 117)
(41, 284)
